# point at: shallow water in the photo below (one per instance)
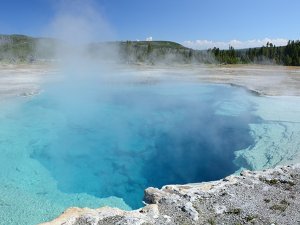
(105, 148)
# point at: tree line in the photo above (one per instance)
(20, 48)
(288, 55)
(161, 52)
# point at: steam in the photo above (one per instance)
(76, 25)
(149, 39)
(83, 74)
(79, 23)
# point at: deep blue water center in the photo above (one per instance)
(119, 140)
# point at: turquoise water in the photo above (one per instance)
(104, 146)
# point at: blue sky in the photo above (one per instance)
(195, 23)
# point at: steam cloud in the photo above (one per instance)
(79, 22)
(83, 74)
(149, 39)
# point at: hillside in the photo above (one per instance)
(155, 52)
(24, 49)
(20, 48)
(14, 48)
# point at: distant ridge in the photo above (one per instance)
(18, 48)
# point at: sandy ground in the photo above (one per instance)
(24, 80)
(267, 80)
(263, 79)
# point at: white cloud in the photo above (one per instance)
(149, 39)
(206, 44)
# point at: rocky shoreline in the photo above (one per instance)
(262, 197)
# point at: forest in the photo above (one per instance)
(288, 55)
(25, 49)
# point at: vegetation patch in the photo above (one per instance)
(278, 207)
(269, 181)
(235, 211)
(211, 221)
(249, 218)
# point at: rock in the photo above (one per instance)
(263, 197)
(188, 207)
(153, 195)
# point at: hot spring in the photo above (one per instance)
(103, 145)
